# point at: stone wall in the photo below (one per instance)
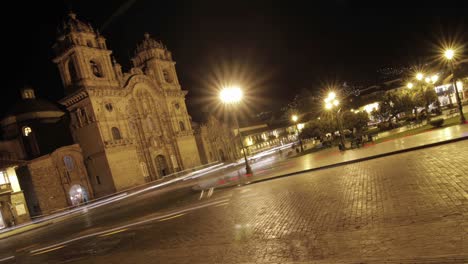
(188, 152)
(124, 165)
(47, 184)
(20, 208)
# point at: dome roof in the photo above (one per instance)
(31, 106)
(149, 43)
(72, 24)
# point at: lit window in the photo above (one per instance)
(27, 131)
(4, 177)
(69, 164)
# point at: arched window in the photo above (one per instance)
(167, 76)
(27, 131)
(116, 133)
(96, 69)
(182, 126)
(109, 107)
(72, 71)
(69, 164)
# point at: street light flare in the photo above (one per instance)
(409, 85)
(336, 102)
(427, 80)
(434, 78)
(328, 106)
(332, 95)
(230, 95)
(294, 118)
(449, 54)
(419, 76)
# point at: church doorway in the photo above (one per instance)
(161, 164)
(78, 195)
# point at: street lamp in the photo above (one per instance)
(233, 96)
(330, 103)
(294, 119)
(420, 79)
(449, 54)
(419, 76)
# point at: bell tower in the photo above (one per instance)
(82, 56)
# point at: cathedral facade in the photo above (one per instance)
(133, 127)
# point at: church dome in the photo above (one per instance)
(72, 24)
(34, 106)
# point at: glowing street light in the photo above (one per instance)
(232, 96)
(294, 118)
(449, 55)
(419, 76)
(330, 103)
(420, 80)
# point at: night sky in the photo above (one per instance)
(274, 48)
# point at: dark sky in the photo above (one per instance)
(274, 48)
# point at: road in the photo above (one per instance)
(405, 208)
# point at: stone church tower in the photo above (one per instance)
(133, 127)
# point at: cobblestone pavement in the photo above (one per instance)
(405, 208)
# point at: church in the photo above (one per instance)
(133, 127)
(113, 130)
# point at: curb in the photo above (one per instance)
(27, 228)
(364, 159)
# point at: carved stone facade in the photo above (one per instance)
(133, 127)
(217, 142)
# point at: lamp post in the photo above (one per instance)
(233, 96)
(330, 103)
(424, 82)
(294, 119)
(449, 55)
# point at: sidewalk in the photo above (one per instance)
(441, 135)
(333, 157)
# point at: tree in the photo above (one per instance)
(355, 120)
(423, 96)
(310, 131)
(393, 103)
(319, 127)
